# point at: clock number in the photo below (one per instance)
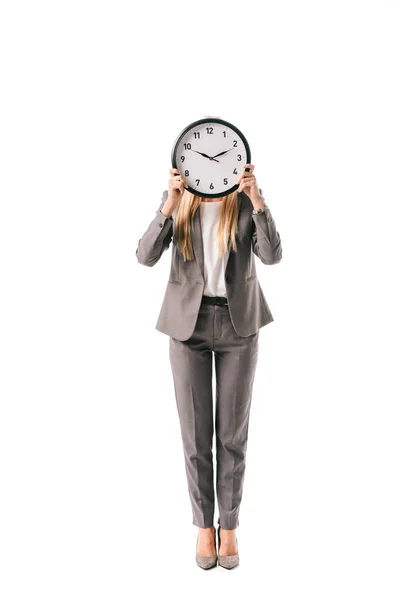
(182, 159)
(239, 157)
(225, 181)
(210, 130)
(234, 171)
(196, 134)
(224, 132)
(188, 146)
(234, 143)
(211, 186)
(197, 181)
(186, 173)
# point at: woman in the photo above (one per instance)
(213, 306)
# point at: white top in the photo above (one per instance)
(214, 266)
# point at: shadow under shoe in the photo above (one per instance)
(228, 561)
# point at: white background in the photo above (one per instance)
(94, 501)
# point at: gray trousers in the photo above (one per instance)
(235, 365)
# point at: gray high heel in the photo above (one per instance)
(228, 561)
(206, 562)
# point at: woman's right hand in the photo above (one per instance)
(176, 187)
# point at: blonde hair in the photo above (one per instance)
(227, 227)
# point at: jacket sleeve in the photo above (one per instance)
(157, 237)
(266, 240)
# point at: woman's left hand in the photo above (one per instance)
(248, 182)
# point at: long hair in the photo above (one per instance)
(227, 228)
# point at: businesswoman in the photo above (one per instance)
(213, 307)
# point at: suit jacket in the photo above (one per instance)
(257, 235)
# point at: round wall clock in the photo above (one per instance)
(210, 153)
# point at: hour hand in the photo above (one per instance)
(205, 155)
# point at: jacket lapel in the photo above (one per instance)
(197, 240)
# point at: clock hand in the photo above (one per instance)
(221, 153)
(202, 154)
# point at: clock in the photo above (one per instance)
(210, 154)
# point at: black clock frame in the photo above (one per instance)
(200, 122)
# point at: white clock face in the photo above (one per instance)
(211, 156)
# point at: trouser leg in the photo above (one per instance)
(235, 365)
(191, 363)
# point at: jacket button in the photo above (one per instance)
(160, 224)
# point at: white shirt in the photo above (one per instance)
(214, 266)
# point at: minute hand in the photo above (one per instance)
(221, 153)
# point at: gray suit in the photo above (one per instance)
(229, 333)
(248, 307)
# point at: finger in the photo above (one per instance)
(178, 183)
(243, 177)
(245, 174)
(179, 179)
(247, 183)
(176, 178)
(249, 166)
(174, 171)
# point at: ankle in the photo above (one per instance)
(207, 529)
(227, 531)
